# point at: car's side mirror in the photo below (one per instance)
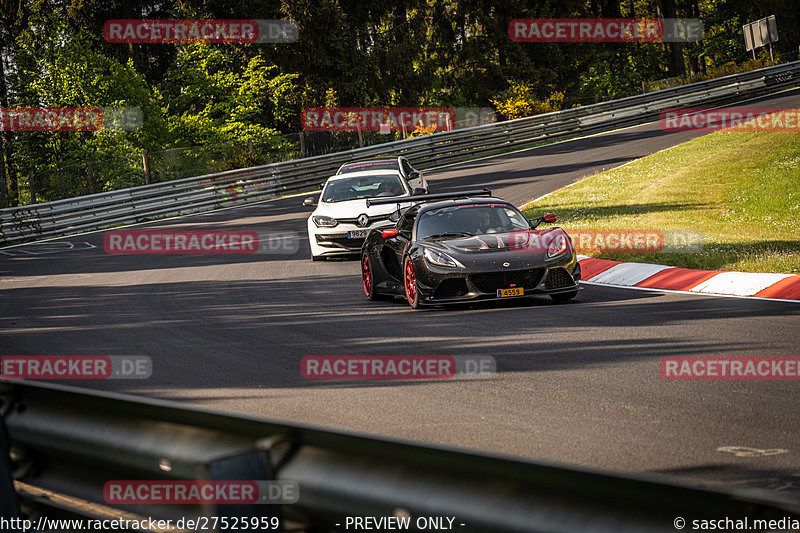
(547, 217)
(310, 202)
(321, 186)
(419, 190)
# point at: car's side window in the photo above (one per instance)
(407, 168)
(515, 219)
(407, 221)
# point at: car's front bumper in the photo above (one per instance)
(338, 243)
(442, 286)
(335, 241)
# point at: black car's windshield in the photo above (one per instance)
(369, 165)
(357, 187)
(471, 219)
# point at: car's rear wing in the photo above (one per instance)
(429, 197)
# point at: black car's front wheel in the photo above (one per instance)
(368, 278)
(564, 296)
(410, 282)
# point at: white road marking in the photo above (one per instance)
(746, 451)
(44, 248)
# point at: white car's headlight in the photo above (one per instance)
(324, 222)
(559, 245)
(439, 259)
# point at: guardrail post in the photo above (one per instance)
(9, 508)
(248, 466)
(32, 185)
(302, 144)
(90, 174)
(146, 167)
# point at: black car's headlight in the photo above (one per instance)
(440, 259)
(324, 222)
(559, 245)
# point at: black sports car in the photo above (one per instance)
(455, 247)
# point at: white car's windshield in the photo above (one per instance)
(369, 165)
(357, 187)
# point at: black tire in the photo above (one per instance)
(410, 283)
(564, 296)
(368, 279)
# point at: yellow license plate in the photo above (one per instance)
(505, 293)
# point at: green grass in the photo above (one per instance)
(740, 190)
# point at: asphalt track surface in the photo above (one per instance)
(577, 383)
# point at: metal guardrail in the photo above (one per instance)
(214, 191)
(62, 444)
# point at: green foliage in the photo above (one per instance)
(618, 72)
(224, 98)
(56, 68)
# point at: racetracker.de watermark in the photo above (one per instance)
(731, 119)
(609, 30)
(198, 242)
(370, 367)
(70, 118)
(383, 119)
(617, 241)
(75, 367)
(200, 30)
(587, 241)
(191, 492)
(730, 368)
(635, 241)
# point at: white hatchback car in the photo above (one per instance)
(341, 220)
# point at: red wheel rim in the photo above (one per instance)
(411, 282)
(366, 274)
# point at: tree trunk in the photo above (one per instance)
(697, 62)
(10, 193)
(612, 9)
(675, 67)
(3, 179)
